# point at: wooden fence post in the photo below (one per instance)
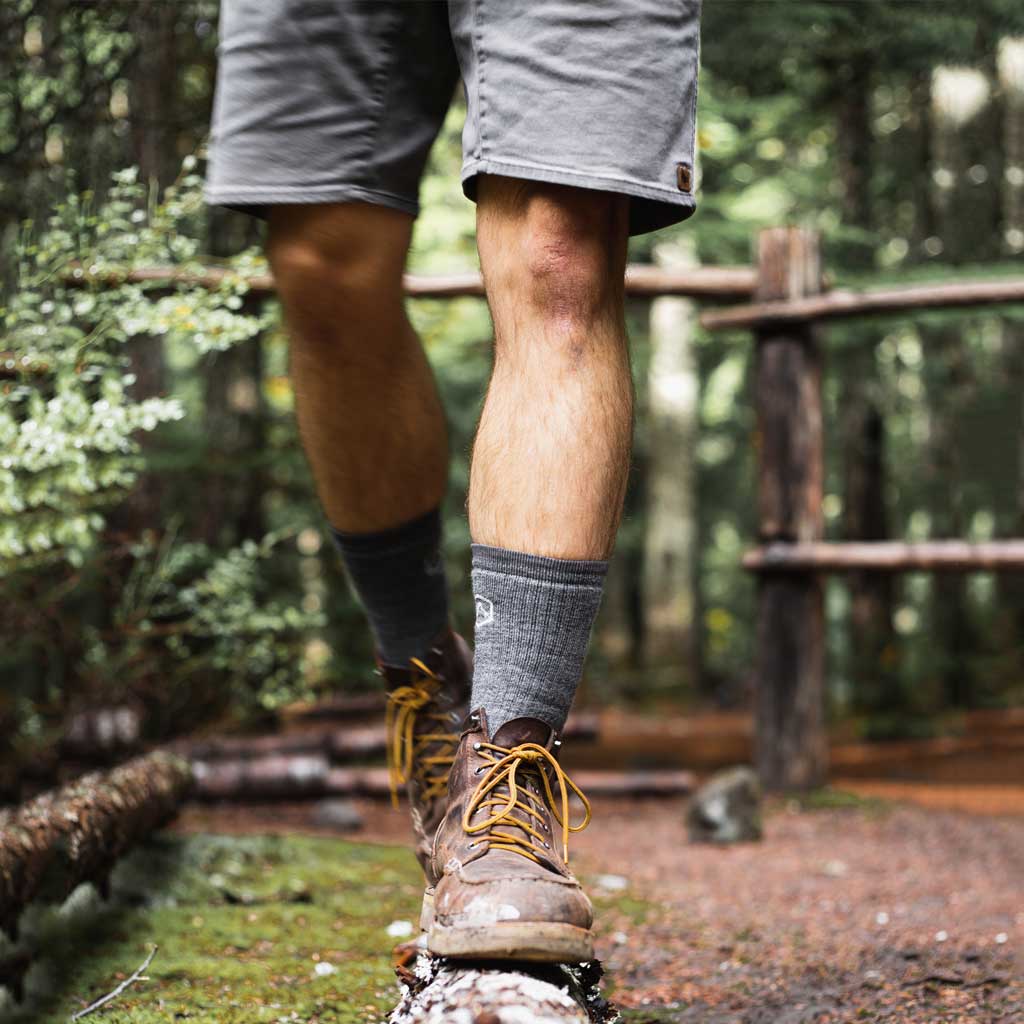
(791, 745)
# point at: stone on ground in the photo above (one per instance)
(726, 809)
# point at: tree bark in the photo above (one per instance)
(77, 833)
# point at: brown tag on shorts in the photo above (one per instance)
(684, 177)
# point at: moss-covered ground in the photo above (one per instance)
(241, 924)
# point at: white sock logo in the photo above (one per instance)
(484, 611)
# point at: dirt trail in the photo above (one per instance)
(874, 912)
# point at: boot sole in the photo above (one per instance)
(512, 940)
(427, 910)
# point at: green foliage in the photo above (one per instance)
(217, 625)
(69, 422)
(241, 924)
(211, 621)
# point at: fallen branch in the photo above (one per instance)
(354, 743)
(305, 777)
(136, 976)
(76, 834)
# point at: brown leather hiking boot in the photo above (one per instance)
(505, 890)
(427, 703)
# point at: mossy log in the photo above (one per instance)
(76, 834)
(436, 991)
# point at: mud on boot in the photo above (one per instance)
(427, 703)
(504, 888)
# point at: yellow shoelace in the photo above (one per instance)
(503, 766)
(405, 749)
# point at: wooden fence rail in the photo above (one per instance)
(721, 283)
(790, 299)
(889, 556)
(840, 304)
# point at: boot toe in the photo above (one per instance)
(462, 900)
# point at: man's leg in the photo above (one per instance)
(548, 477)
(365, 397)
(374, 432)
(552, 453)
(368, 410)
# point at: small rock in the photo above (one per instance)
(399, 929)
(941, 936)
(1002, 938)
(341, 815)
(611, 883)
(726, 809)
(323, 969)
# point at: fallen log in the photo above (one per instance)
(436, 991)
(354, 743)
(77, 833)
(309, 776)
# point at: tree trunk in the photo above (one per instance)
(870, 624)
(668, 568)
(1011, 77)
(77, 833)
(956, 122)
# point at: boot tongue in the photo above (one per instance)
(523, 730)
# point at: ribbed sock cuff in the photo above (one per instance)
(533, 620)
(399, 577)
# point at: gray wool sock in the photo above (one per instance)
(533, 622)
(398, 576)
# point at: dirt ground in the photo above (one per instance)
(875, 911)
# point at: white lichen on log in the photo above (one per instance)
(437, 991)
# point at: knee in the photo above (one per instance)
(568, 258)
(335, 265)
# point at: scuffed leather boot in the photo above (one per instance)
(505, 890)
(427, 703)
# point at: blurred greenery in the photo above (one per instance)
(160, 542)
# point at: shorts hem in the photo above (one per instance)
(255, 198)
(663, 205)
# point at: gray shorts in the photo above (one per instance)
(339, 100)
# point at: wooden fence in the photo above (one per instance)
(790, 298)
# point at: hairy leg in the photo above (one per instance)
(551, 456)
(368, 410)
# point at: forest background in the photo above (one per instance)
(161, 548)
